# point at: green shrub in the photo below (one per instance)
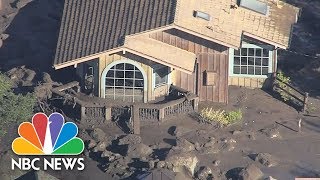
(220, 116)
(14, 108)
(280, 81)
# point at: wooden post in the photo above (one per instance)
(108, 115)
(305, 102)
(83, 112)
(299, 125)
(136, 119)
(273, 80)
(196, 104)
(161, 114)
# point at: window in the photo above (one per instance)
(250, 60)
(160, 75)
(124, 82)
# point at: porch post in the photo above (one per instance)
(136, 119)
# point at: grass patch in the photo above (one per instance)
(225, 118)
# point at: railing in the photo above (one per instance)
(294, 93)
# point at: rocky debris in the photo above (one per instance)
(271, 132)
(98, 134)
(237, 132)
(180, 131)
(138, 150)
(204, 173)
(119, 168)
(266, 159)
(151, 164)
(110, 156)
(216, 162)
(21, 3)
(101, 146)
(4, 36)
(182, 161)
(269, 178)
(91, 144)
(130, 139)
(183, 145)
(212, 146)
(161, 164)
(197, 146)
(21, 76)
(251, 172)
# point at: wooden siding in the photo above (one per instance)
(210, 57)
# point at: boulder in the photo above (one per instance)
(204, 173)
(183, 145)
(130, 139)
(210, 143)
(98, 134)
(182, 161)
(197, 146)
(251, 172)
(46, 78)
(138, 150)
(216, 162)
(4, 36)
(101, 146)
(161, 164)
(266, 159)
(91, 144)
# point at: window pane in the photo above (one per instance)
(119, 74)
(244, 51)
(258, 71)
(244, 70)
(120, 66)
(129, 83)
(138, 83)
(244, 61)
(265, 70)
(110, 73)
(129, 67)
(258, 52)
(119, 91)
(236, 52)
(129, 74)
(109, 82)
(251, 60)
(236, 70)
(265, 61)
(251, 70)
(251, 52)
(119, 82)
(237, 61)
(258, 61)
(265, 53)
(138, 75)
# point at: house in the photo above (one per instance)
(133, 50)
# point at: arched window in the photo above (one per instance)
(124, 81)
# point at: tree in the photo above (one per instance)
(14, 108)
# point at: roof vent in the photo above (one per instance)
(202, 15)
(255, 5)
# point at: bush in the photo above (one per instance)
(220, 116)
(14, 108)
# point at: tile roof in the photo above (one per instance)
(93, 26)
(162, 53)
(90, 27)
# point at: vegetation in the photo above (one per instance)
(14, 108)
(221, 116)
(283, 89)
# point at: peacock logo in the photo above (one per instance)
(48, 136)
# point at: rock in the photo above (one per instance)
(106, 154)
(46, 78)
(161, 164)
(138, 150)
(182, 161)
(4, 36)
(251, 172)
(266, 159)
(271, 132)
(91, 144)
(21, 3)
(183, 145)
(269, 178)
(130, 139)
(98, 134)
(216, 162)
(179, 131)
(204, 173)
(197, 146)
(210, 143)
(151, 164)
(236, 132)
(209, 150)
(101, 146)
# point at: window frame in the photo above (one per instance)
(270, 61)
(154, 86)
